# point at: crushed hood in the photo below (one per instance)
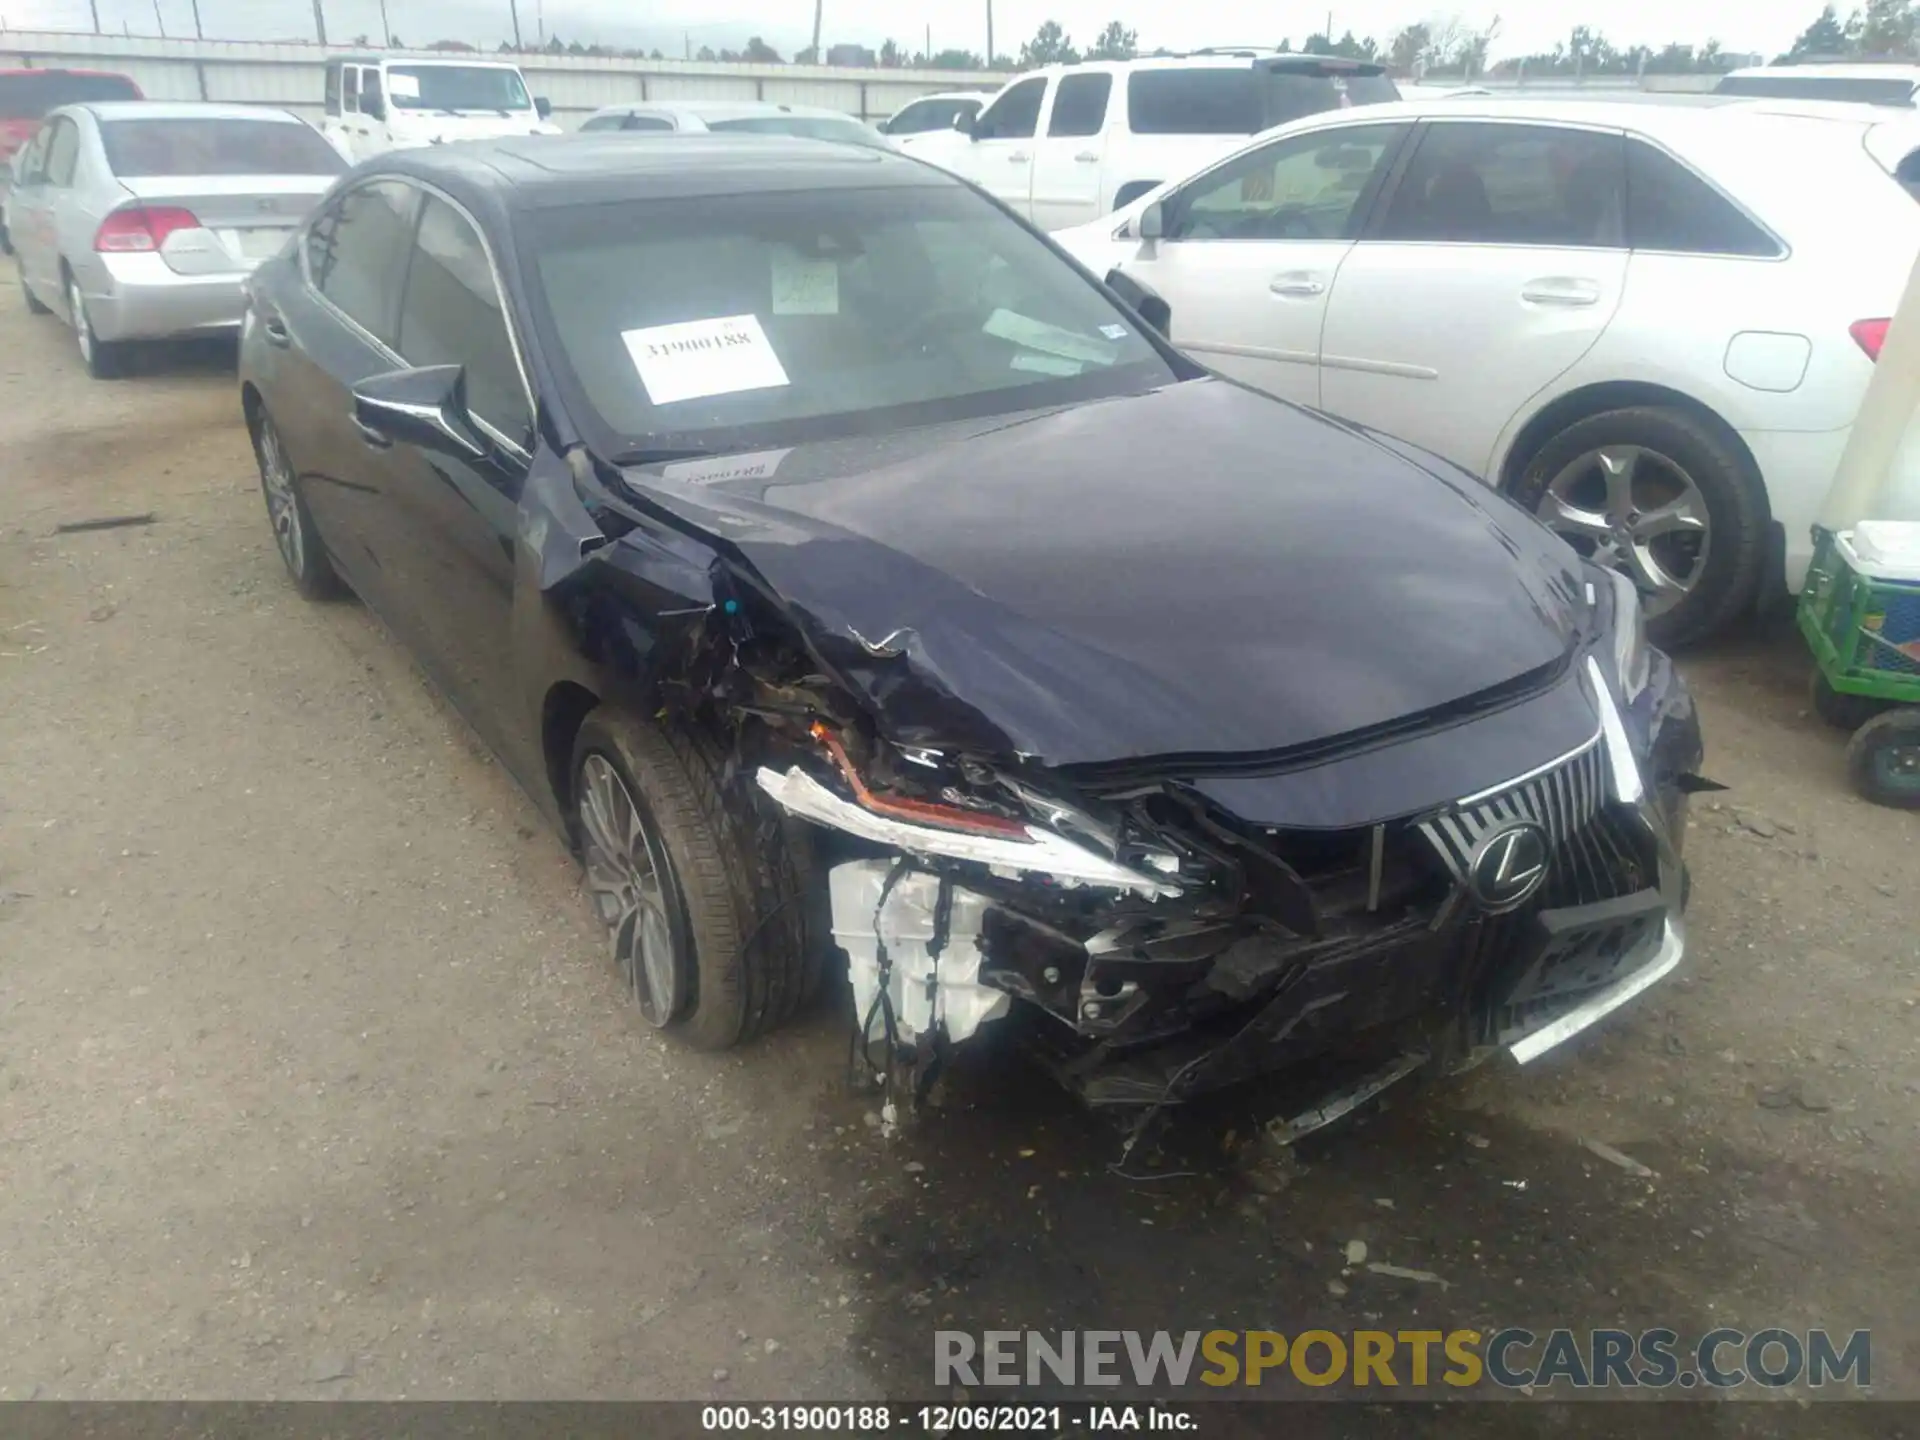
(1196, 571)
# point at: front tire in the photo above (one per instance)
(293, 531)
(1883, 759)
(701, 895)
(1665, 497)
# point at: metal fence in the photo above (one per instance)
(293, 75)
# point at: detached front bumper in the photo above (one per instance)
(137, 297)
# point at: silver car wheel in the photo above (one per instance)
(77, 307)
(1637, 511)
(283, 509)
(625, 880)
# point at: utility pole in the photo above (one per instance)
(198, 33)
(818, 7)
(928, 52)
(319, 22)
(96, 15)
(386, 29)
(989, 33)
(158, 21)
(514, 7)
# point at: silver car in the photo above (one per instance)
(698, 117)
(141, 220)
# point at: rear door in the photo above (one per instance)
(1067, 165)
(51, 190)
(29, 226)
(1492, 266)
(1000, 159)
(1252, 247)
(336, 329)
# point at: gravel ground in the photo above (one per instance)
(314, 1081)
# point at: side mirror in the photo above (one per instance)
(1153, 221)
(425, 407)
(885, 127)
(967, 125)
(1147, 305)
(543, 107)
(374, 107)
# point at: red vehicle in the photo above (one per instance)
(26, 95)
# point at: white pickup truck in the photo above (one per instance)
(1071, 143)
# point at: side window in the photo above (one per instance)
(333, 88)
(357, 253)
(452, 316)
(352, 73)
(648, 122)
(1015, 114)
(1308, 187)
(33, 163)
(604, 122)
(1670, 208)
(63, 151)
(1510, 185)
(1080, 105)
(370, 93)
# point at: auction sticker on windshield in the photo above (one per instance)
(704, 357)
(403, 87)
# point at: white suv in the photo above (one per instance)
(1651, 324)
(1069, 143)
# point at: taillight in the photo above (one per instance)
(1870, 335)
(142, 227)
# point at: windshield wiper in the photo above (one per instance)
(662, 455)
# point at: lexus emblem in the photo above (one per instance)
(1508, 867)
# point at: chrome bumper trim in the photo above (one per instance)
(1672, 946)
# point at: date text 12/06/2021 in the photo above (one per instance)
(945, 1419)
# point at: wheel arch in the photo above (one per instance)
(1597, 399)
(563, 710)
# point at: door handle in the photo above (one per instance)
(1296, 285)
(1560, 290)
(373, 438)
(1088, 157)
(276, 332)
(1019, 157)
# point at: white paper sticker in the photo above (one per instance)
(1049, 339)
(1046, 364)
(1114, 332)
(405, 87)
(704, 357)
(721, 468)
(804, 286)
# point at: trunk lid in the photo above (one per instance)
(244, 219)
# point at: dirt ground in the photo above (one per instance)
(315, 1080)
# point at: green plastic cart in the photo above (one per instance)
(1860, 613)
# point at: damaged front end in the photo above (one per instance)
(1163, 947)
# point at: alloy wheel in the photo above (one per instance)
(82, 330)
(276, 478)
(1637, 511)
(626, 877)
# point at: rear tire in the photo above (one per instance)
(1839, 709)
(34, 307)
(703, 895)
(293, 531)
(1883, 760)
(1671, 449)
(105, 360)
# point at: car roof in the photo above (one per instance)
(1837, 71)
(1219, 58)
(950, 95)
(724, 109)
(1649, 114)
(460, 58)
(537, 172)
(183, 110)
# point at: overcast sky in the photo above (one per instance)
(1766, 26)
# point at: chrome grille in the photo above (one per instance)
(1562, 799)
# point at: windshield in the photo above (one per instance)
(456, 87)
(1221, 100)
(813, 127)
(29, 96)
(720, 322)
(140, 149)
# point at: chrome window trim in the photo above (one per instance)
(400, 361)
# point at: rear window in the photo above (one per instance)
(1232, 101)
(812, 127)
(1861, 89)
(29, 96)
(141, 149)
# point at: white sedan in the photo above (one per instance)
(1651, 324)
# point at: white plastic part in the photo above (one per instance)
(1879, 471)
(1883, 549)
(1042, 852)
(1628, 786)
(925, 995)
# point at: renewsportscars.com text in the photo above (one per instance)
(1511, 1358)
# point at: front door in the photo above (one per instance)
(1250, 250)
(1495, 264)
(1067, 165)
(1000, 159)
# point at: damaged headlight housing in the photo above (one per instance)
(1632, 654)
